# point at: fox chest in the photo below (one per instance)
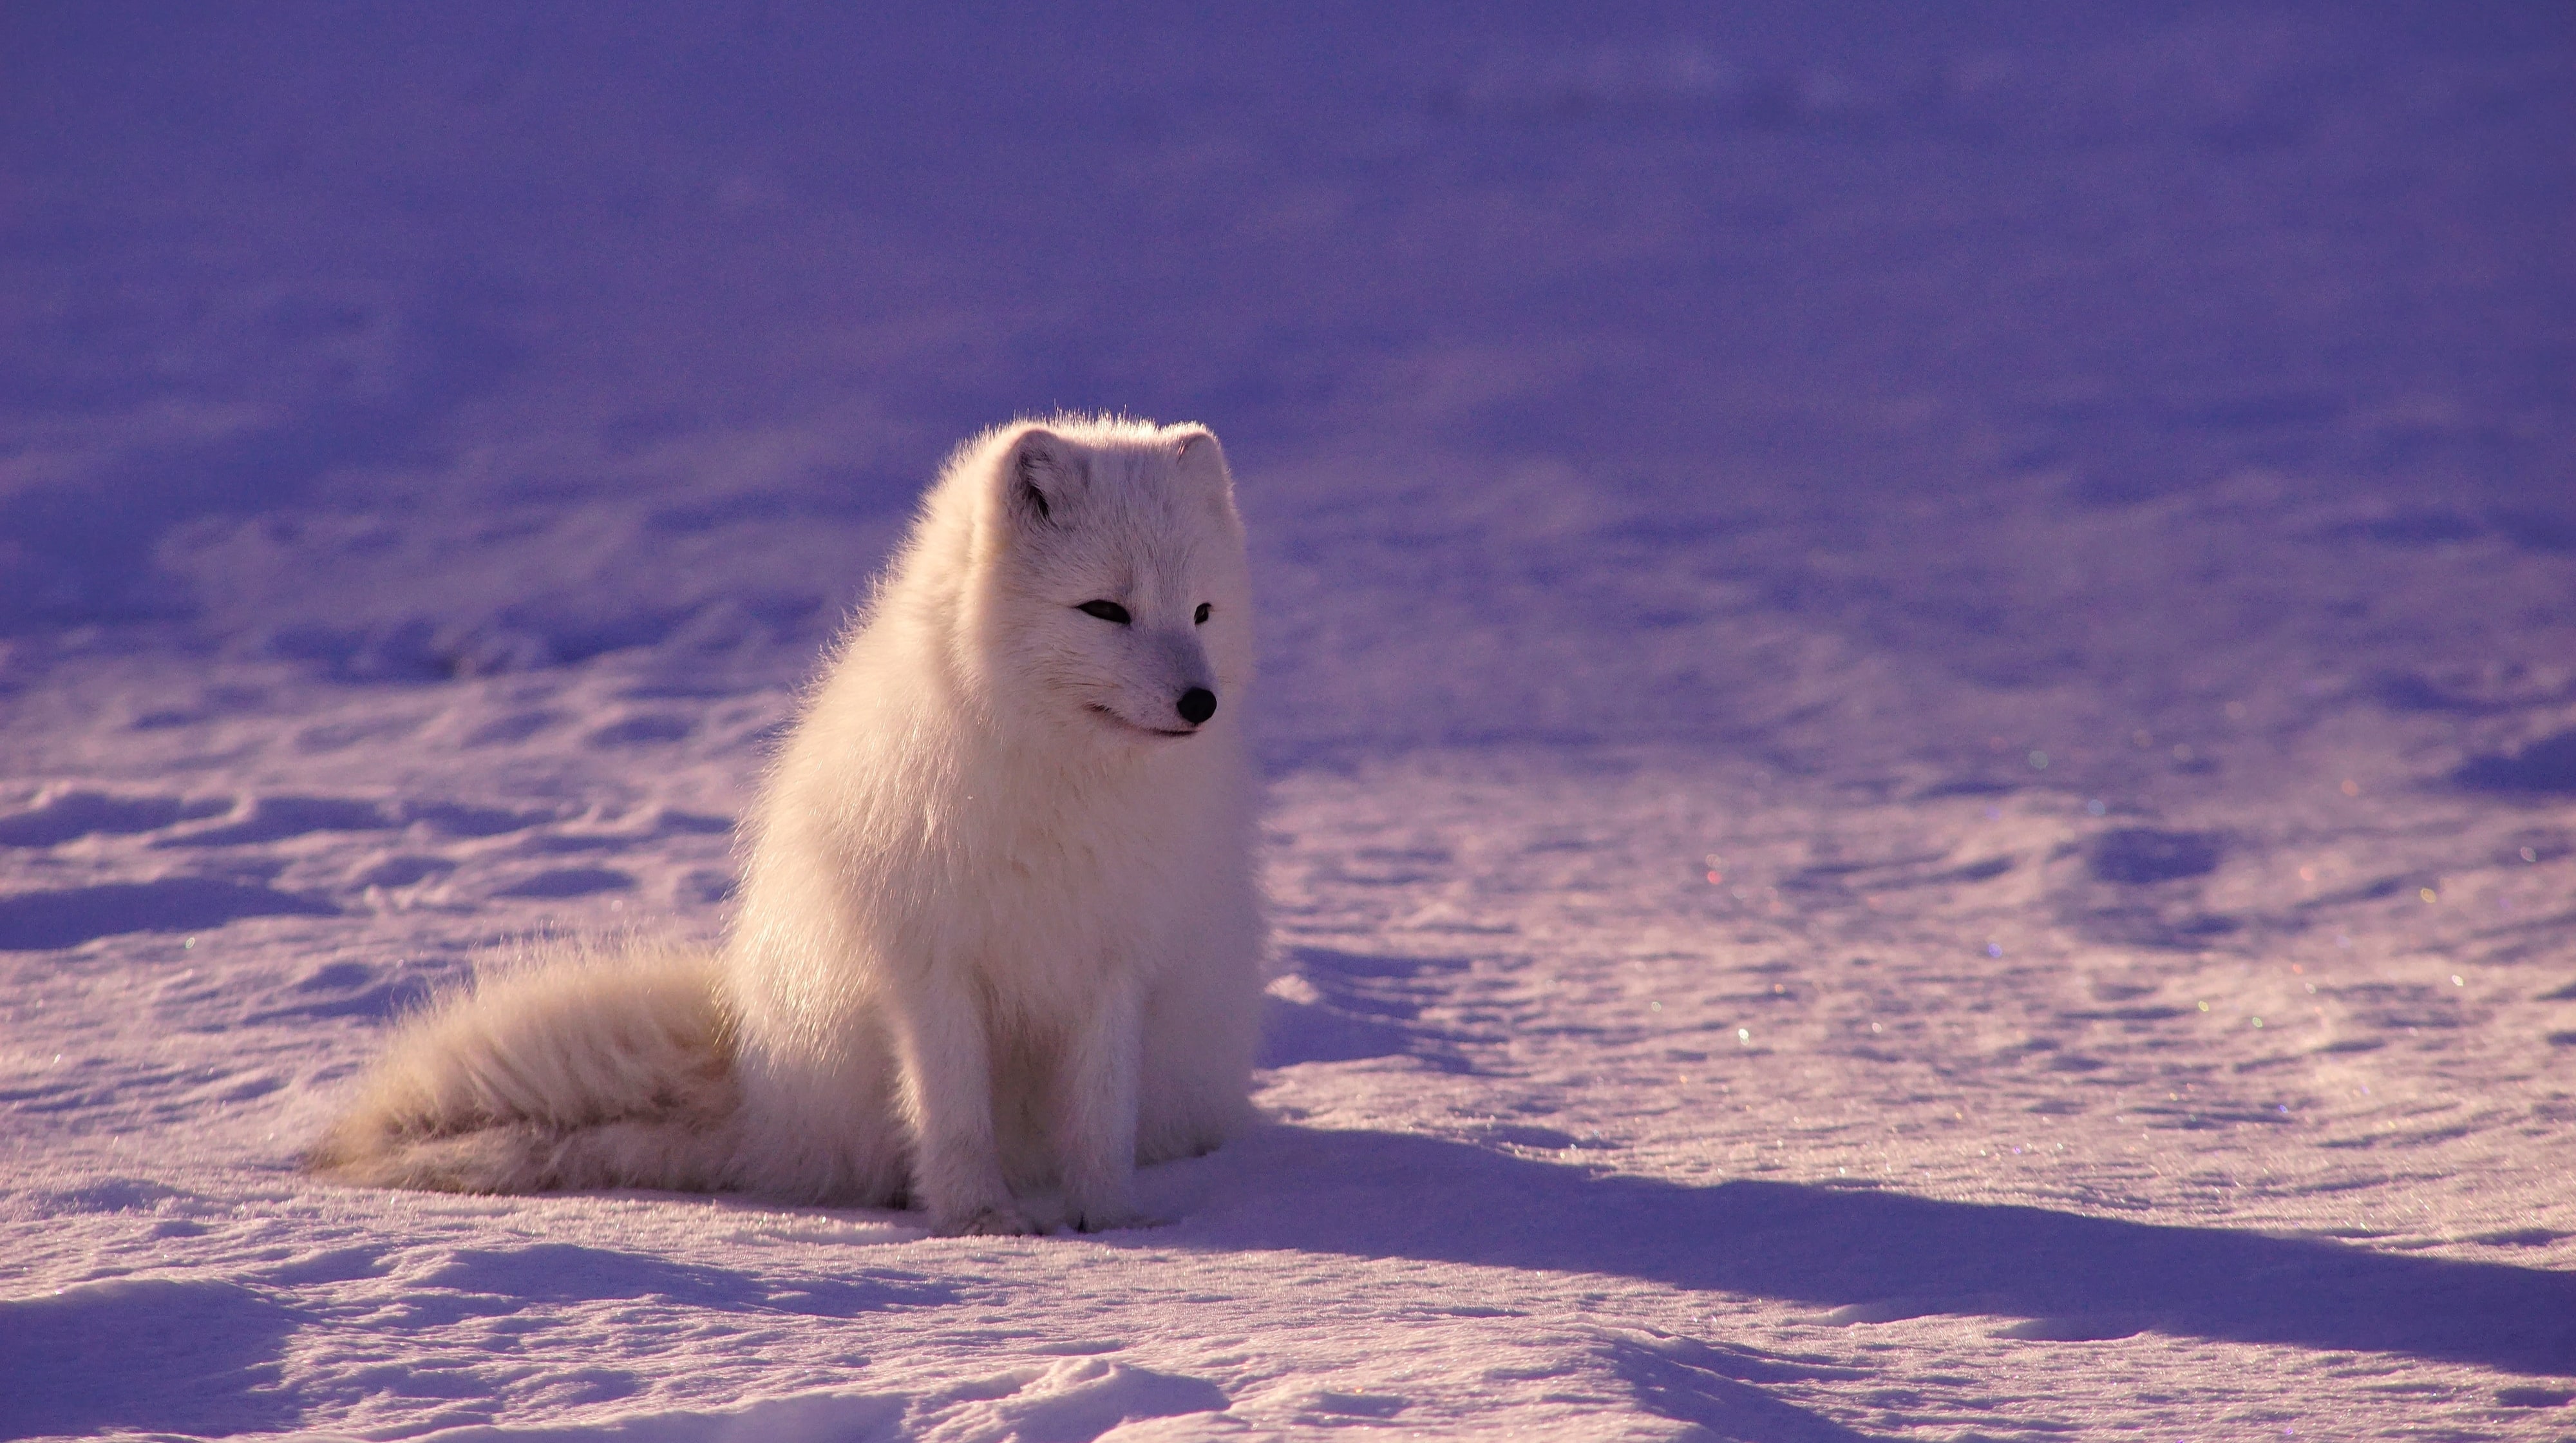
(1051, 909)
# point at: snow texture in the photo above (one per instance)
(1919, 696)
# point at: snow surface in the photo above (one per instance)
(1921, 696)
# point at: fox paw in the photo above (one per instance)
(999, 1221)
(1109, 1219)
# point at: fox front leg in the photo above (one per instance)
(1095, 1113)
(948, 1102)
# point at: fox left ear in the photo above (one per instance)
(1200, 455)
(1040, 473)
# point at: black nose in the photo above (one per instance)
(1197, 705)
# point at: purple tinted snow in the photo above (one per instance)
(271, 819)
(197, 1357)
(1835, 1246)
(2107, 244)
(2543, 768)
(477, 1281)
(39, 921)
(62, 816)
(560, 882)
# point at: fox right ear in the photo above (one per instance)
(1039, 474)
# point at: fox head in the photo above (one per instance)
(1115, 599)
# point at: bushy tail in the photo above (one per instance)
(585, 1070)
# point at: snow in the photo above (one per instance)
(1919, 695)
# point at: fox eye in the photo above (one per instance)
(1106, 611)
(1200, 616)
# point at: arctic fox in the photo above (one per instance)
(999, 939)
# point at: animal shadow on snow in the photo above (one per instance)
(1877, 1256)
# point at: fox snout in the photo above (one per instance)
(1191, 683)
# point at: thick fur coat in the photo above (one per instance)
(999, 939)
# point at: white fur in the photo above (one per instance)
(999, 935)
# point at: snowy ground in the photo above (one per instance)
(1921, 698)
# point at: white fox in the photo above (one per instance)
(999, 935)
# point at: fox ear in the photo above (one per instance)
(1200, 455)
(1040, 473)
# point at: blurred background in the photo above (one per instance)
(1861, 384)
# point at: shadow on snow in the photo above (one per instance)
(204, 1357)
(150, 1354)
(1885, 1255)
